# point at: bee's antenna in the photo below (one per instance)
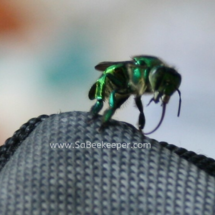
(179, 105)
(162, 117)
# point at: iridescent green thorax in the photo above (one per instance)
(138, 79)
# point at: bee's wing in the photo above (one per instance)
(144, 57)
(134, 66)
(104, 65)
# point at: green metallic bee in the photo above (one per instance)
(142, 75)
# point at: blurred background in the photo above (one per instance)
(48, 50)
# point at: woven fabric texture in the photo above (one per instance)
(51, 172)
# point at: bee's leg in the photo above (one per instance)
(114, 102)
(141, 122)
(97, 92)
(95, 109)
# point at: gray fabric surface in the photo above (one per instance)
(40, 180)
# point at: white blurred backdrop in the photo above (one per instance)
(48, 50)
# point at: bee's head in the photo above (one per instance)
(164, 82)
